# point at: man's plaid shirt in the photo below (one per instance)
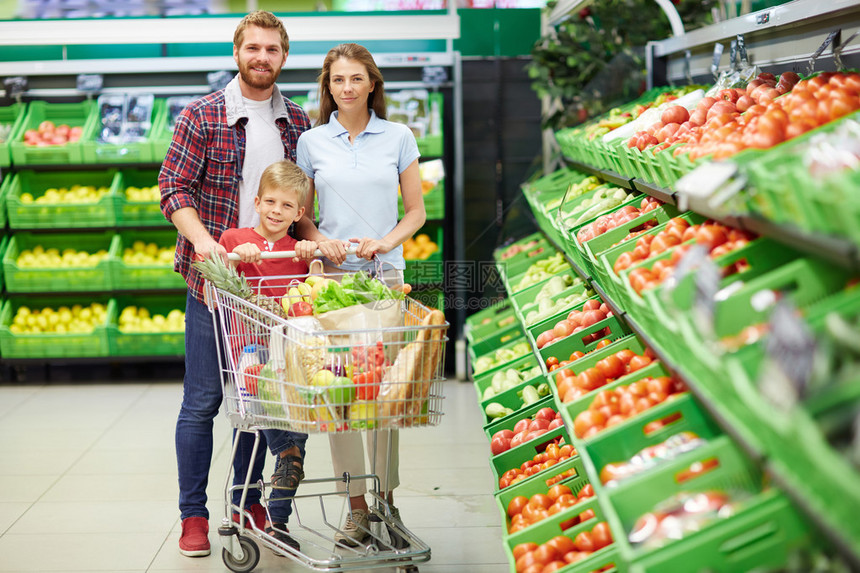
(203, 167)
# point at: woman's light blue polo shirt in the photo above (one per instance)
(356, 183)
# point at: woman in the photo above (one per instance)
(356, 160)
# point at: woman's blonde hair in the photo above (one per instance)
(360, 54)
(285, 175)
(261, 19)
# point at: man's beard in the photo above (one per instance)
(256, 81)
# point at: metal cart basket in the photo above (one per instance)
(377, 366)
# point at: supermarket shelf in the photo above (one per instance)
(835, 249)
(214, 30)
(780, 36)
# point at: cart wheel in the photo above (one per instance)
(252, 556)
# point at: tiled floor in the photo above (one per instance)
(88, 482)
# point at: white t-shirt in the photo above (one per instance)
(263, 146)
(356, 183)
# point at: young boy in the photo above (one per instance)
(280, 202)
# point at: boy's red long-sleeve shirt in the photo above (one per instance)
(267, 267)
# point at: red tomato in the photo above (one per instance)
(516, 505)
(523, 548)
(584, 542)
(553, 566)
(557, 490)
(638, 363)
(526, 560)
(591, 379)
(611, 367)
(562, 543)
(602, 535)
(586, 491)
(675, 114)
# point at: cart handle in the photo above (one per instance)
(286, 254)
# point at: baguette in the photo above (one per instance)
(413, 367)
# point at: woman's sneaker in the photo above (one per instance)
(355, 530)
(194, 541)
(397, 540)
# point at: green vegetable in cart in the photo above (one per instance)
(362, 415)
(341, 390)
(268, 392)
(353, 288)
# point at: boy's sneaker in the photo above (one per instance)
(194, 541)
(258, 512)
(279, 531)
(355, 530)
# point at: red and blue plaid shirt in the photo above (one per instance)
(203, 167)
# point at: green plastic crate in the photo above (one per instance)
(4, 193)
(514, 457)
(73, 114)
(150, 275)
(4, 243)
(486, 322)
(418, 271)
(128, 152)
(685, 415)
(579, 289)
(534, 237)
(484, 380)
(160, 135)
(101, 213)
(13, 116)
(165, 343)
(20, 279)
(500, 337)
(604, 268)
(545, 530)
(570, 410)
(503, 365)
(527, 296)
(508, 422)
(53, 345)
(570, 344)
(517, 265)
(762, 533)
(434, 202)
(511, 399)
(132, 213)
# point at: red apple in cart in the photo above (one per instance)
(301, 308)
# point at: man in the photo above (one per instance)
(221, 145)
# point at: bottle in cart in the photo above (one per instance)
(250, 364)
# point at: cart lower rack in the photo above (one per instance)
(375, 367)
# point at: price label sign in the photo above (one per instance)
(827, 41)
(434, 75)
(218, 80)
(715, 63)
(711, 184)
(706, 282)
(790, 354)
(90, 83)
(742, 51)
(15, 86)
(733, 56)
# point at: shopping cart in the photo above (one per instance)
(306, 377)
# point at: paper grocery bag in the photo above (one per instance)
(369, 320)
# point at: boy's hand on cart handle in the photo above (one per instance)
(306, 251)
(248, 253)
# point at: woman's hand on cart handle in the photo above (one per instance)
(284, 254)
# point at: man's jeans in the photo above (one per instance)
(200, 403)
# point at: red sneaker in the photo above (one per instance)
(258, 512)
(194, 541)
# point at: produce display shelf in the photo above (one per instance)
(838, 250)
